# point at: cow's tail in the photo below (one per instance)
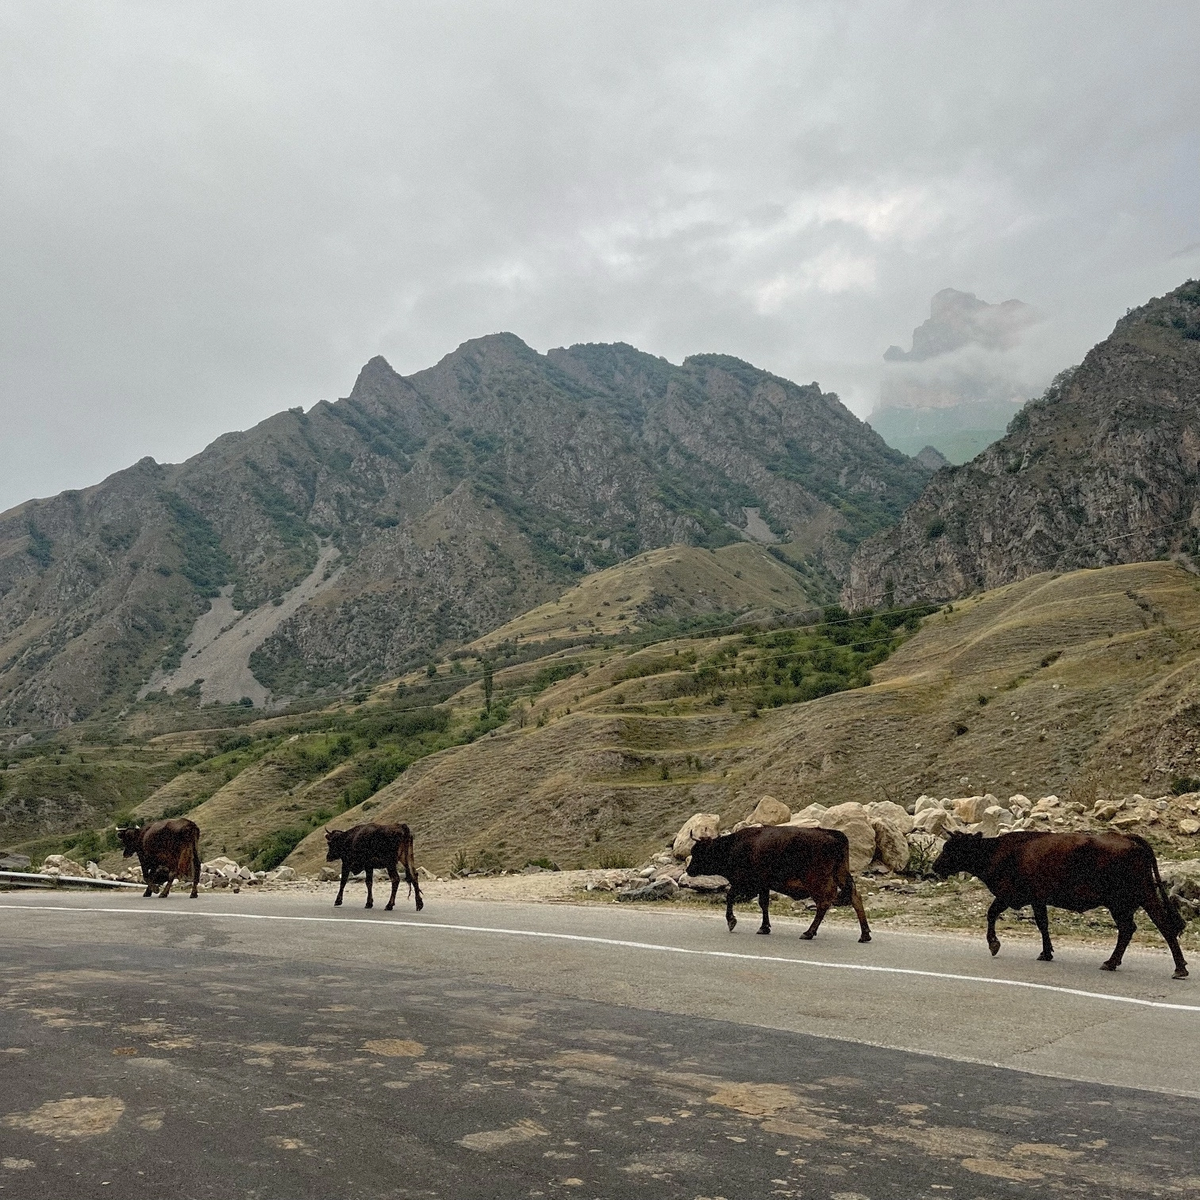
(1169, 903)
(846, 888)
(407, 857)
(189, 862)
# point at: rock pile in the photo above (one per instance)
(223, 872)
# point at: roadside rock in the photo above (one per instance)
(59, 864)
(809, 816)
(769, 811)
(851, 819)
(969, 809)
(695, 827)
(15, 862)
(704, 883)
(660, 889)
(893, 812)
(1189, 825)
(1183, 884)
(282, 875)
(891, 841)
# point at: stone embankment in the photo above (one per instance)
(887, 838)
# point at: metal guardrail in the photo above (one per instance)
(30, 880)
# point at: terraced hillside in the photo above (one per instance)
(1082, 684)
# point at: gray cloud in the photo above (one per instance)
(209, 212)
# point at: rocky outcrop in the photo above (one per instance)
(1104, 468)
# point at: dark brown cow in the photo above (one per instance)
(796, 861)
(165, 849)
(366, 847)
(1076, 871)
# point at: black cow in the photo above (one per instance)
(165, 849)
(1076, 871)
(365, 847)
(797, 861)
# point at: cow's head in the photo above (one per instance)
(335, 840)
(710, 856)
(131, 839)
(960, 853)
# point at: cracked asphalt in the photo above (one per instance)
(224, 1047)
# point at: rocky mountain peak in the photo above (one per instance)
(1104, 468)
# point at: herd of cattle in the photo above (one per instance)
(1075, 871)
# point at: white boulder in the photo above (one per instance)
(698, 825)
(851, 818)
(769, 811)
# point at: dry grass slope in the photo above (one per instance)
(1084, 683)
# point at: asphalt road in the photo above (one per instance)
(264, 1045)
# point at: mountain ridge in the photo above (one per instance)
(1104, 468)
(456, 498)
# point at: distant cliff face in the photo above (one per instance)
(455, 499)
(1103, 469)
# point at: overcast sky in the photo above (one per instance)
(209, 212)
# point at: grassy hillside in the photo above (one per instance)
(1067, 684)
(678, 582)
(595, 750)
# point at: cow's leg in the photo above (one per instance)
(166, 888)
(394, 876)
(370, 894)
(856, 900)
(764, 902)
(410, 877)
(1042, 917)
(345, 877)
(1125, 931)
(1158, 912)
(823, 906)
(195, 872)
(998, 906)
(730, 919)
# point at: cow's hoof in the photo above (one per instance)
(763, 931)
(994, 947)
(337, 904)
(194, 896)
(1180, 974)
(388, 907)
(147, 894)
(1045, 956)
(866, 937)
(420, 905)
(807, 935)
(1109, 966)
(732, 923)
(369, 904)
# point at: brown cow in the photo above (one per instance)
(797, 861)
(365, 847)
(1076, 871)
(165, 849)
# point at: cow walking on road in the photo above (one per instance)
(166, 850)
(1076, 871)
(368, 847)
(797, 861)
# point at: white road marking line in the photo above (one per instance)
(388, 923)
